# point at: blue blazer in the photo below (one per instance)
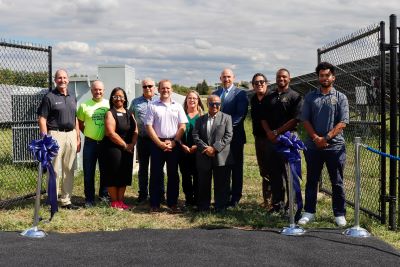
(236, 105)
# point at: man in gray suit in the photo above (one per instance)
(213, 134)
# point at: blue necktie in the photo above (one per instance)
(223, 95)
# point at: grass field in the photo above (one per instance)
(248, 215)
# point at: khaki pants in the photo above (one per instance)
(63, 163)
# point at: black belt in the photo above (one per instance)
(61, 130)
(92, 140)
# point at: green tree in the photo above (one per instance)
(203, 88)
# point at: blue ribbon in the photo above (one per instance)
(44, 151)
(289, 145)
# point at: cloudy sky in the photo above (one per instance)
(188, 40)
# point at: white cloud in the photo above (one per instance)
(202, 44)
(190, 40)
(72, 47)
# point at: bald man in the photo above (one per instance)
(91, 122)
(57, 117)
(234, 102)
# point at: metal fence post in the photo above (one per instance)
(356, 230)
(34, 232)
(393, 122)
(293, 229)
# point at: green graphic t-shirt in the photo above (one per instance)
(92, 113)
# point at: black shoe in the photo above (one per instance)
(70, 207)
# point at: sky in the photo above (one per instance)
(187, 41)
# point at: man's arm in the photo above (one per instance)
(81, 125)
(241, 108)
(42, 121)
(78, 136)
(153, 136)
(270, 134)
(319, 141)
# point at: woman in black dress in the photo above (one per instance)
(118, 145)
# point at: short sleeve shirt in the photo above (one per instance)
(92, 113)
(139, 108)
(281, 107)
(165, 117)
(324, 112)
(59, 110)
(256, 110)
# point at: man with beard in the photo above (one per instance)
(325, 114)
(282, 109)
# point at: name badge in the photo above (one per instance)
(120, 114)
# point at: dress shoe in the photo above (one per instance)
(70, 207)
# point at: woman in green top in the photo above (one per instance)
(187, 159)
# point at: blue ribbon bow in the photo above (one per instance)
(44, 151)
(289, 145)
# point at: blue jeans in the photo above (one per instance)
(158, 159)
(143, 152)
(335, 161)
(91, 153)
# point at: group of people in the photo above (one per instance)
(206, 146)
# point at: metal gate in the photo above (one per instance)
(25, 75)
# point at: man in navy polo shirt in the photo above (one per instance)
(325, 114)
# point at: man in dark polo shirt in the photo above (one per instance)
(57, 117)
(281, 114)
(259, 83)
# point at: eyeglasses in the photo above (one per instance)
(147, 86)
(117, 97)
(217, 104)
(261, 82)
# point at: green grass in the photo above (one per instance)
(249, 215)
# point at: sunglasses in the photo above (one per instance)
(117, 97)
(147, 86)
(261, 82)
(211, 104)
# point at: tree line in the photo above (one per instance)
(24, 78)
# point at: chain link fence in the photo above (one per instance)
(25, 76)
(358, 75)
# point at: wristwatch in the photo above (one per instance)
(275, 132)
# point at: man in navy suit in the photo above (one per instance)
(235, 103)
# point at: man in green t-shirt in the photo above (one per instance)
(91, 123)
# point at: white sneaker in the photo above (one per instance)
(340, 221)
(306, 218)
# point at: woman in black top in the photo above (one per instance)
(118, 146)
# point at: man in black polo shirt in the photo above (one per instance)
(281, 114)
(57, 117)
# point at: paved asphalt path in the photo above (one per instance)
(196, 247)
